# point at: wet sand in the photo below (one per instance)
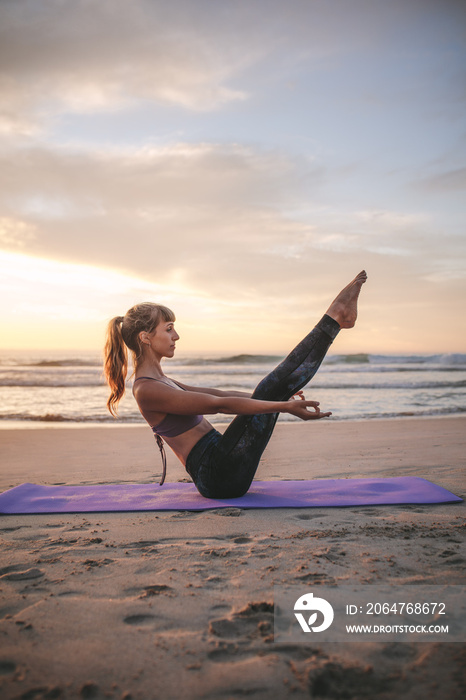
(180, 604)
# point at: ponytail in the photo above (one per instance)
(115, 363)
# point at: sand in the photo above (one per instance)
(180, 604)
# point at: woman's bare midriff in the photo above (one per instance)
(184, 443)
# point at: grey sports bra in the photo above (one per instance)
(171, 426)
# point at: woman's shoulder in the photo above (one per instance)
(143, 385)
(152, 384)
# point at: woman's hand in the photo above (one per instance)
(299, 408)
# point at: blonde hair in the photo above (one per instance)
(122, 333)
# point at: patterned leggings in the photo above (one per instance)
(223, 466)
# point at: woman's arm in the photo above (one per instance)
(218, 392)
(213, 392)
(160, 398)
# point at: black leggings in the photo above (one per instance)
(223, 466)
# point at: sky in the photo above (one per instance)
(238, 161)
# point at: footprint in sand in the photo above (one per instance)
(370, 511)
(157, 589)
(18, 573)
(89, 690)
(7, 667)
(228, 512)
(255, 620)
(13, 529)
(158, 623)
(220, 606)
(143, 545)
(139, 620)
(335, 680)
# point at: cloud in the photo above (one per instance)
(85, 56)
(222, 221)
(152, 184)
(154, 210)
(14, 233)
(448, 181)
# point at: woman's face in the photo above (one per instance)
(163, 339)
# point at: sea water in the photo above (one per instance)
(68, 387)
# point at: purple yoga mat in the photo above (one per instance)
(320, 493)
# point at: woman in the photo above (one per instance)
(221, 466)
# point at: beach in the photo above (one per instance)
(143, 605)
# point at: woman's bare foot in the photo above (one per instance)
(344, 309)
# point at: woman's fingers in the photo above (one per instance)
(298, 395)
(311, 404)
(308, 410)
(315, 404)
(314, 415)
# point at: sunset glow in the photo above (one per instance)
(239, 168)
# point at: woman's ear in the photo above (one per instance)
(144, 338)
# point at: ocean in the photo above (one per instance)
(67, 388)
